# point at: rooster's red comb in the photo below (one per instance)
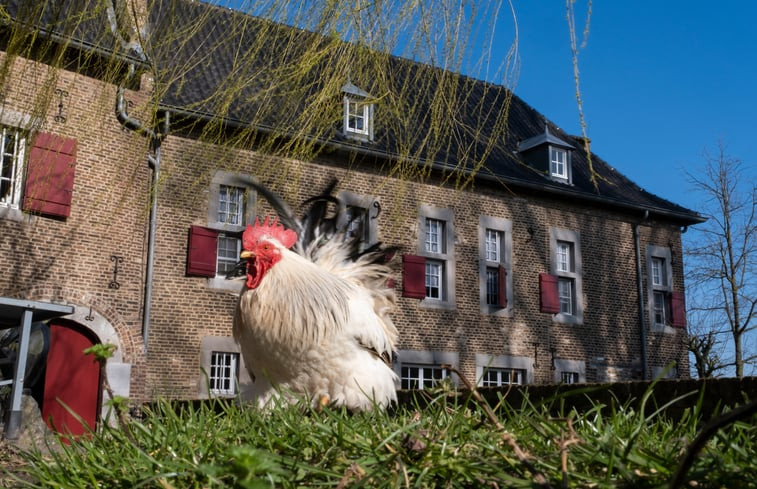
(268, 227)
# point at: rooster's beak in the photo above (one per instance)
(245, 255)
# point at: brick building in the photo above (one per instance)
(528, 274)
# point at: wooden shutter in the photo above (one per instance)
(201, 255)
(414, 276)
(50, 175)
(549, 300)
(677, 310)
(502, 289)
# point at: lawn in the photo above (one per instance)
(448, 440)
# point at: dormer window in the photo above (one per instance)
(558, 163)
(548, 154)
(358, 113)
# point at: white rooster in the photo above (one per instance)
(315, 322)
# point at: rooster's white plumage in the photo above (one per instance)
(313, 318)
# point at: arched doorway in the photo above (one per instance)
(72, 380)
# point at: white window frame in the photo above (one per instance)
(503, 228)
(444, 256)
(559, 164)
(231, 196)
(229, 230)
(571, 366)
(224, 344)
(503, 376)
(567, 266)
(425, 359)
(14, 169)
(659, 266)
(229, 261)
(525, 365)
(223, 376)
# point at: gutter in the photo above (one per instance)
(642, 319)
(153, 160)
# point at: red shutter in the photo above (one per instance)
(677, 310)
(414, 276)
(201, 258)
(50, 175)
(502, 289)
(549, 301)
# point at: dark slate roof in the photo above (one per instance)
(84, 23)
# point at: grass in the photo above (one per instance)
(446, 442)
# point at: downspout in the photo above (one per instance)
(642, 320)
(153, 160)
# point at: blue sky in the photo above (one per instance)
(660, 81)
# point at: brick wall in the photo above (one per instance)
(70, 260)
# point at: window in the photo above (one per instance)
(430, 274)
(223, 373)
(421, 376)
(11, 166)
(569, 371)
(434, 244)
(214, 249)
(360, 214)
(495, 243)
(423, 369)
(569, 377)
(497, 370)
(666, 305)
(495, 377)
(357, 116)
(357, 223)
(358, 113)
(566, 300)
(558, 163)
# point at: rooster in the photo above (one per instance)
(313, 317)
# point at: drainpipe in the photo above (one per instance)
(153, 160)
(642, 319)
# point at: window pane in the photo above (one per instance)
(433, 280)
(564, 256)
(357, 218)
(11, 166)
(493, 242)
(565, 292)
(558, 163)
(434, 236)
(229, 248)
(357, 115)
(492, 286)
(231, 205)
(658, 272)
(660, 308)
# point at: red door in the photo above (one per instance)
(72, 380)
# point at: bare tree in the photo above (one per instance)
(722, 255)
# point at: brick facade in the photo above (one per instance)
(70, 260)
